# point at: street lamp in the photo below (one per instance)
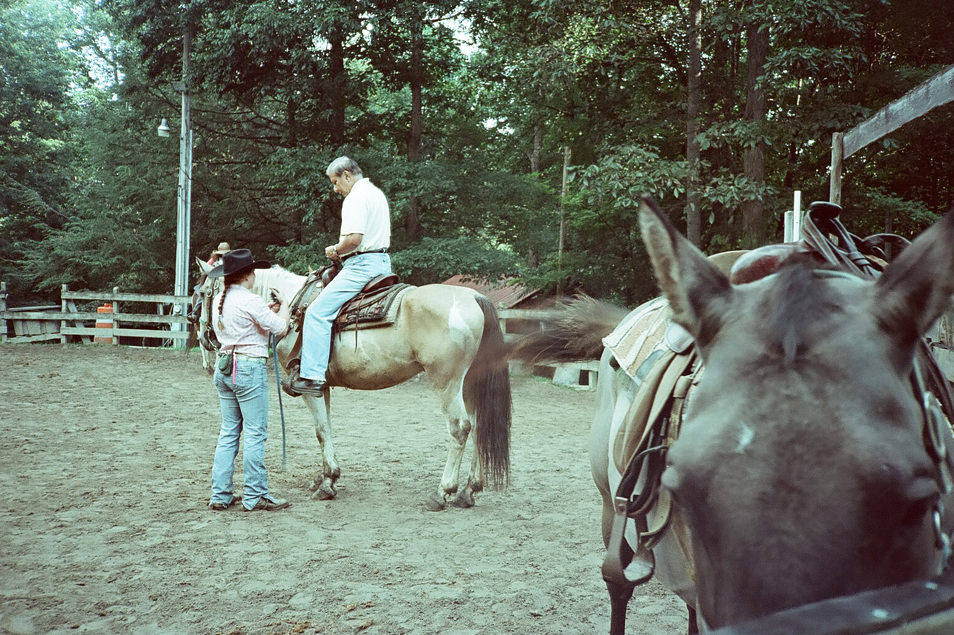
(184, 193)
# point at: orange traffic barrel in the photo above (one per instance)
(104, 323)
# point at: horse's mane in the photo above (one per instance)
(796, 303)
(279, 278)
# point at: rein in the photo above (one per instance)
(273, 341)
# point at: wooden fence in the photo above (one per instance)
(46, 323)
(125, 321)
(934, 92)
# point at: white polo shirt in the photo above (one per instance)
(365, 211)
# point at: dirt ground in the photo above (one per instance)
(106, 456)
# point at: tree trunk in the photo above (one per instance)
(753, 210)
(537, 151)
(412, 224)
(291, 122)
(339, 80)
(693, 106)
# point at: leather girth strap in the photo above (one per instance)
(651, 507)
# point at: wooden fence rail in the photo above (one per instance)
(45, 323)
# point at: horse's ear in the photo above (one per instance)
(204, 266)
(697, 291)
(916, 288)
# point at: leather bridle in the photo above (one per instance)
(852, 257)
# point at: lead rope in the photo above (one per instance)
(281, 408)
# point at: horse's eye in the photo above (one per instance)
(918, 509)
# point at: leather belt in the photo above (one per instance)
(383, 250)
(251, 358)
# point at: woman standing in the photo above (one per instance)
(242, 321)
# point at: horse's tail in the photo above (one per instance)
(487, 385)
(574, 332)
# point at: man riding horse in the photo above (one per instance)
(361, 251)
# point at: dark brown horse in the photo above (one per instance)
(805, 467)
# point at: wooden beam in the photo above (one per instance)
(115, 296)
(837, 160)
(934, 92)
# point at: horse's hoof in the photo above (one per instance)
(325, 493)
(435, 503)
(464, 500)
(315, 484)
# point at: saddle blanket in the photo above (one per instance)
(643, 335)
(638, 341)
(369, 310)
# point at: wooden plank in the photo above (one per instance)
(916, 102)
(51, 307)
(27, 339)
(34, 327)
(116, 332)
(88, 315)
(70, 307)
(115, 296)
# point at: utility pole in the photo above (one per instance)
(184, 193)
(566, 169)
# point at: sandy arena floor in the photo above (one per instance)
(106, 457)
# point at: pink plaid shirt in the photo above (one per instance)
(247, 321)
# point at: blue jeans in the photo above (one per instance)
(316, 330)
(244, 406)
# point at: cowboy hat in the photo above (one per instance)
(237, 261)
(221, 249)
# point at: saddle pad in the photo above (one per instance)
(370, 310)
(648, 328)
(638, 335)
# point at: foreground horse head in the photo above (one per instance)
(801, 469)
(801, 459)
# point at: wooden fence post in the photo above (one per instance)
(115, 321)
(837, 159)
(63, 290)
(3, 307)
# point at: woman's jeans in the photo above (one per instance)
(316, 330)
(243, 399)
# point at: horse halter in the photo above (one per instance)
(826, 235)
(208, 295)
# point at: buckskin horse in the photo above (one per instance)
(794, 446)
(450, 333)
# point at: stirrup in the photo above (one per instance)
(643, 564)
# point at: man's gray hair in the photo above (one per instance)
(343, 164)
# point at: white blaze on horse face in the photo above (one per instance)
(746, 436)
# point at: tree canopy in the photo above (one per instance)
(463, 112)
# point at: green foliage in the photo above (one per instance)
(35, 143)
(279, 89)
(435, 259)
